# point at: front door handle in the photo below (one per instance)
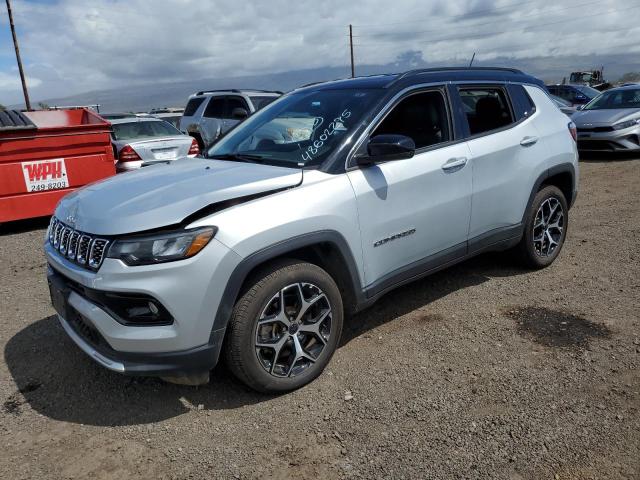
(454, 164)
(528, 141)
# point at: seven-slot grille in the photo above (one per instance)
(80, 248)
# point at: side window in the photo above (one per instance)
(553, 90)
(566, 94)
(233, 103)
(192, 106)
(421, 116)
(215, 108)
(486, 108)
(521, 101)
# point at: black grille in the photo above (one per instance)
(595, 129)
(79, 247)
(87, 331)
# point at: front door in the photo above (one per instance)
(415, 212)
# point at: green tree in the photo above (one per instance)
(43, 106)
(2, 107)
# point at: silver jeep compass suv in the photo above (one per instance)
(312, 208)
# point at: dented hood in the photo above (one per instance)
(162, 195)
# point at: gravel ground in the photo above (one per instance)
(481, 371)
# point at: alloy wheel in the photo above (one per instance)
(548, 227)
(293, 329)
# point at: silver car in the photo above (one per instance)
(611, 121)
(142, 141)
(311, 209)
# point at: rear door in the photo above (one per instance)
(212, 121)
(506, 153)
(233, 102)
(414, 213)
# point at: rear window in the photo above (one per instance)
(262, 101)
(133, 130)
(192, 106)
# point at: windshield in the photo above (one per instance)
(580, 77)
(303, 127)
(132, 130)
(559, 100)
(627, 98)
(588, 91)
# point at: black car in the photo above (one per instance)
(574, 94)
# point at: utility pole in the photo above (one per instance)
(27, 103)
(353, 69)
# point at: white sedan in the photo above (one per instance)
(142, 141)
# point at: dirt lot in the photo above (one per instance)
(481, 371)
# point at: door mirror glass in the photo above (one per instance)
(239, 113)
(385, 147)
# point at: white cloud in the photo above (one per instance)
(79, 46)
(11, 81)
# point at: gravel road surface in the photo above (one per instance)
(484, 370)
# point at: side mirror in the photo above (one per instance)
(383, 148)
(239, 113)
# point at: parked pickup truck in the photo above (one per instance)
(211, 113)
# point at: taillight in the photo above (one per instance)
(194, 149)
(128, 154)
(573, 130)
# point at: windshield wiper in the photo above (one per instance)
(240, 157)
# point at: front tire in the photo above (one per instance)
(545, 229)
(285, 327)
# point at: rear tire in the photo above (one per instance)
(285, 327)
(546, 223)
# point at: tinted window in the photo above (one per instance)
(261, 102)
(215, 108)
(486, 109)
(133, 130)
(553, 89)
(587, 90)
(522, 103)
(192, 106)
(421, 116)
(233, 103)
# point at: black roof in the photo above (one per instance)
(14, 120)
(430, 75)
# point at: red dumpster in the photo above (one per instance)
(46, 154)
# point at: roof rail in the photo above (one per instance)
(458, 69)
(236, 90)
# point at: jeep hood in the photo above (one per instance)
(162, 195)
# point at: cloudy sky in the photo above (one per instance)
(72, 46)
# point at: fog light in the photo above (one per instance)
(153, 308)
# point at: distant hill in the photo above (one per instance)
(141, 98)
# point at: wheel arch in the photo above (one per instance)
(562, 176)
(328, 249)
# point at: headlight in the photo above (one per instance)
(627, 124)
(163, 247)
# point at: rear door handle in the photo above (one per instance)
(454, 164)
(528, 141)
